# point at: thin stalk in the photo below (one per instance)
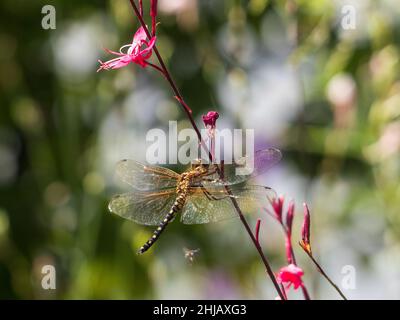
(190, 117)
(325, 275)
(156, 67)
(305, 292)
(283, 290)
(288, 243)
(258, 231)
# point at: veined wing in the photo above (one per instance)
(143, 207)
(242, 169)
(144, 177)
(214, 204)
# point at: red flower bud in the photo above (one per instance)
(153, 14)
(210, 119)
(305, 230)
(289, 217)
(153, 8)
(277, 205)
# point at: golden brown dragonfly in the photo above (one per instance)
(198, 193)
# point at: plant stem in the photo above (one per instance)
(190, 117)
(325, 275)
(305, 292)
(156, 67)
(258, 231)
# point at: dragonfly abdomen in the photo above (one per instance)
(176, 207)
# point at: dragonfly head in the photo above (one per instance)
(199, 164)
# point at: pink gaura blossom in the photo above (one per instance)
(210, 119)
(135, 53)
(291, 275)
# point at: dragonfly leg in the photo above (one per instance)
(210, 196)
(206, 193)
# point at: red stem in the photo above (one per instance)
(324, 274)
(153, 14)
(156, 67)
(305, 292)
(258, 231)
(141, 7)
(227, 189)
(184, 104)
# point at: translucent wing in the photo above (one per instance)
(241, 169)
(143, 207)
(144, 177)
(216, 205)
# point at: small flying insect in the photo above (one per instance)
(199, 194)
(190, 254)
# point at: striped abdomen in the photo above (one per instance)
(176, 207)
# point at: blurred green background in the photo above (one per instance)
(327, 96)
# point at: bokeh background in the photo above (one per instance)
(328, 97)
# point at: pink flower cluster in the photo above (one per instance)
(291, 275)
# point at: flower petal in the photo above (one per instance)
(291, 275)
(139, 36)
(116, 63)
(114, 52)
(146, 52)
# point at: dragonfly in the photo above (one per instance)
(199, 194)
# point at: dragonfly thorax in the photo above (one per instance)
(188, 176)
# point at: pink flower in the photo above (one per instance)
(210, 119)
(291, 275)
(135, 52)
